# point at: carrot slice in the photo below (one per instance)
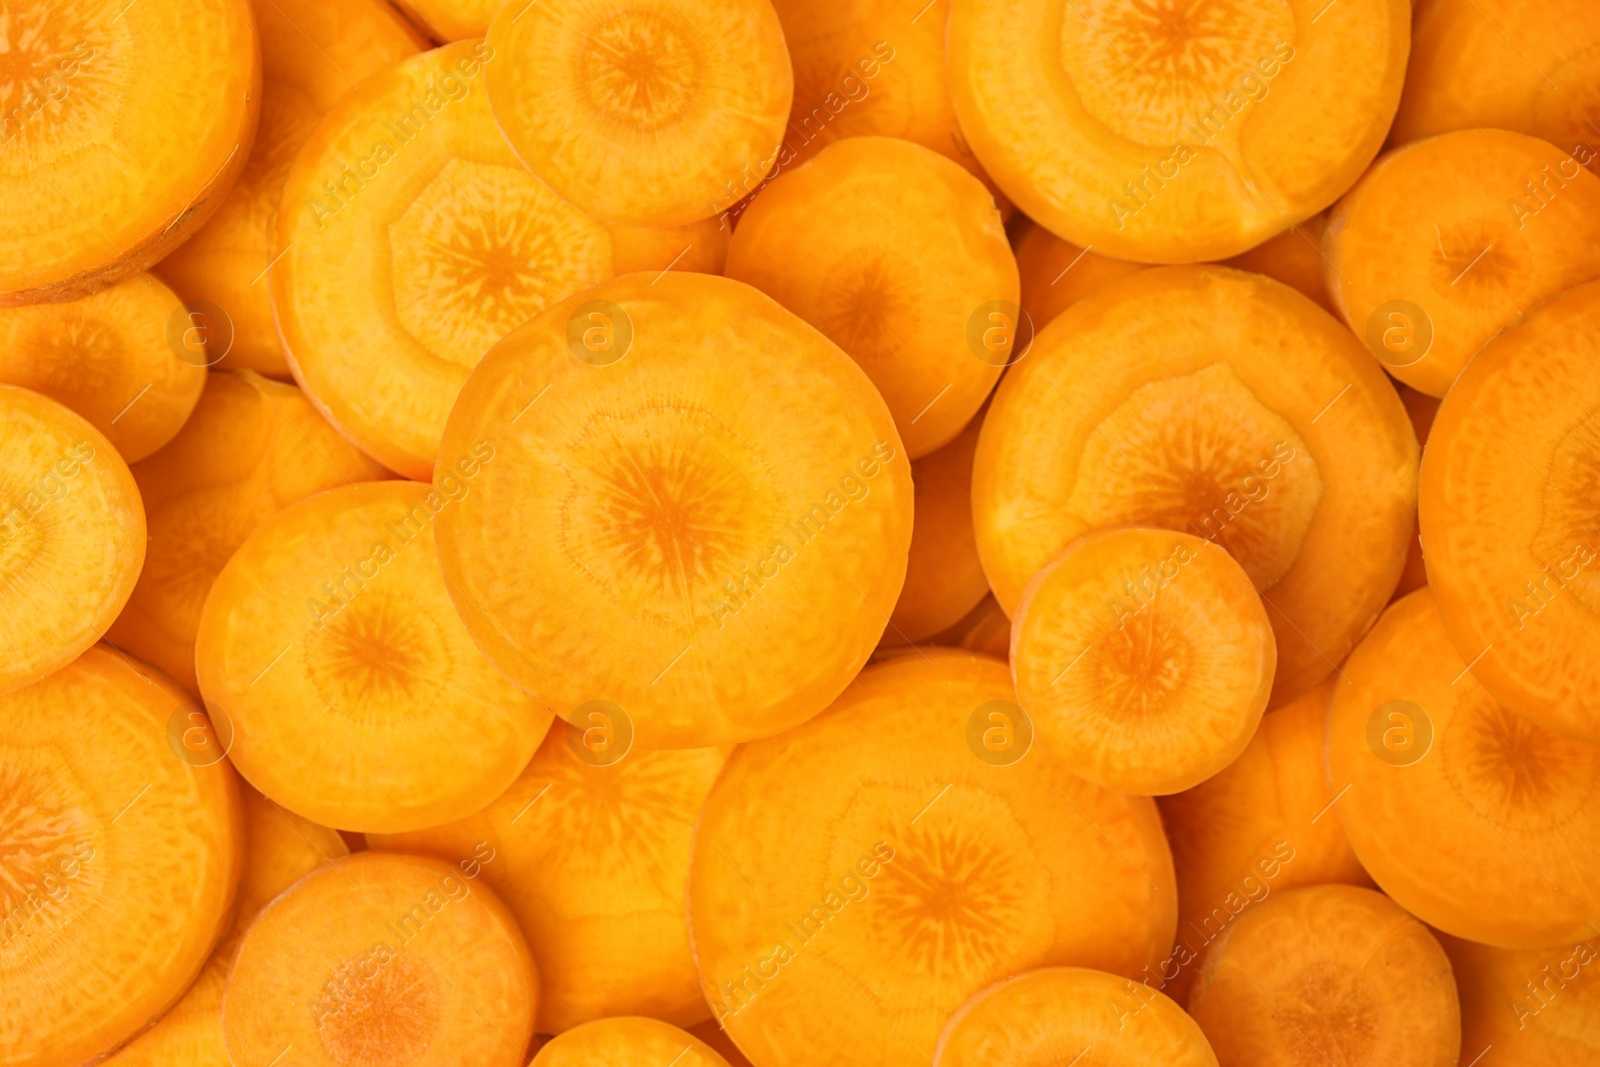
(109, 357)
(645, 112)
(121, 859)
(330, 643)
(1507, 514)
(250, 447)
(380, 958)
(1423, 753)
(696, 546)
(1235, 410)
(122, 126)
(926, 852)
(313, 52)
(627, 1041)
(1144, 657)
(72, 536)
(898, 255)
(1328, 974)
(1049, 1016)
(1166, 133)
(605, 920)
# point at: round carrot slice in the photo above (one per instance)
(1295, 258)
(121, 860)
(869, 67)
(1162, 133)
(121, 128)
(1049, 1016)
(1328, 974)
(627, 1041)
(944, 578)
(1056, 274)
(1235, 410)
(1510, 221)
(1144, 657)
(898, 255)
(592, 856)
(1427, 755)
(1264, 824)
(109, 358)
(1507, 513)
(714, 553)
(279, 848)
(856, 879)
(644, 112)
(313, 52)
(415, 242)
(250, 447)
(1530, 1005)
(330, 643)
(1466, 72)
(72, 536)
(379, 958)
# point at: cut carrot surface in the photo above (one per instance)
(713, 553)
(72, 536)
(312, 53)
(119, 135)
(121, 860)
(1144, 657)
(1055, 1015)
(109, 357)
(928, 851)
(250, 447)
(1508, 520)
(1169, 134)
(1235, 410)
(642, 111)
(591, 856)
(330, 644)
(1425, 754)
(382, 958)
